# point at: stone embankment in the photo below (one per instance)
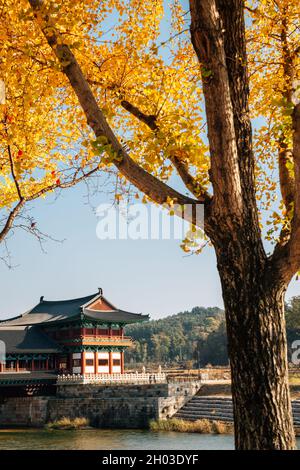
(122, 406)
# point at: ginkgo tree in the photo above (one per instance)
(97, 85)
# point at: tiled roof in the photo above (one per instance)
(50, 311)
(61, 310)
(115, 316)
(27, 339)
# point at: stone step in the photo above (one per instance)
(218, 409)
(204, 407)
(212, 412)
(211, 401)
(215, 399)
(204, 415)
(210, 406)
(208, 410)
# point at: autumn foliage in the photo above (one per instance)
(140, 63)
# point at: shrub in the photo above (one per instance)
(201, 426)
(68, 423)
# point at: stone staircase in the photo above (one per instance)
(218, 408)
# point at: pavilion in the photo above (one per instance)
(77, 336)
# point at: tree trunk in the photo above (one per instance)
(254, 305)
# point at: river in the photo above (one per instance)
(107, 439)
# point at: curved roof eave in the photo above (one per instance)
(115, 316)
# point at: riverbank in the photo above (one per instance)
(200, 426)
(105, 439)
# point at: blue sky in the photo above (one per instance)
(154, 277)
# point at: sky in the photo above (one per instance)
(150, 276)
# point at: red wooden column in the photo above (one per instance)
(96, 363)
(110, 363)
(17, 365)
(82, 362)
(122, 362)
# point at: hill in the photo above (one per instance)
(184, 338)
(195, 338)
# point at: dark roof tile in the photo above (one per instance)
(115, 316)
(30, 339)
(62, 310)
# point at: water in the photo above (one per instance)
(100, 439)
(106, 439)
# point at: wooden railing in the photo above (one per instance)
(106, 338)
(137, 378)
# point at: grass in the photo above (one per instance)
(68, 423)
(201, 426)
(294, 380)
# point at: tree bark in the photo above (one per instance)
(254, 306)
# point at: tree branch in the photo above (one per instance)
(10, 219)
(13, 173)
(182, 168)
(19, 206)
(151, 186)
(286, 257)
(285, 154)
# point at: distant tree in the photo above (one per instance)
(161, 343)
(175, 338)
(293, 323)
(293, 314)
(213, 350)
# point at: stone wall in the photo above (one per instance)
(23, 411)
(122, 406)
(106, 413)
